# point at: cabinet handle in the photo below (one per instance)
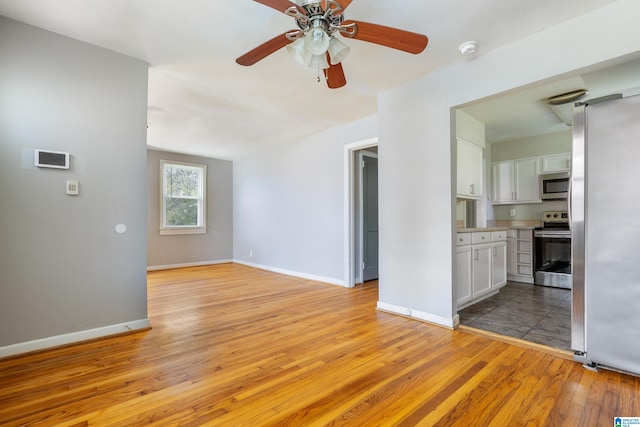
(475, 254)
(471, 188)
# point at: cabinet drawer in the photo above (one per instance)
(482, 237)
(463, 239)
(498, 236)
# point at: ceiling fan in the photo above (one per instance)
(315, 44)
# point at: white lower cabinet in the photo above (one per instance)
(464, 280)
(481, 265)
(498, 265)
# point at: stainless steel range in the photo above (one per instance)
(553, 251)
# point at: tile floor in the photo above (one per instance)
(533, 313)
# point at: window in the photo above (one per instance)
(182, 198)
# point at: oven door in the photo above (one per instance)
(553, 259)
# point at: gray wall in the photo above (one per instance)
(63, 267)
(186, 249)
(289, 204)
(542, 145)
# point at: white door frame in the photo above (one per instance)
(349, 208)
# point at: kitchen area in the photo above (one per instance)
(541, 175)
(513, 242)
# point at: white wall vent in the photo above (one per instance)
(51, 159)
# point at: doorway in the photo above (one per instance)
(368, 218)
(361, 212)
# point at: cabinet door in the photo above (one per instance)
(556, 163)
(481, 270)
(462, 186)
(469, 170)
(475, 170)
(463, 276)
(502, 181)
(498, 265)
(527, 183)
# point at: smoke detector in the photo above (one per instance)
(468, 48)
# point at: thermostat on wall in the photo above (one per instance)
(51, 159)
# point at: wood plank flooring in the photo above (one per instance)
(236, 346)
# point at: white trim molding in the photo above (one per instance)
(420, 315)
(324, 279)
(188, 264)
(73, 337)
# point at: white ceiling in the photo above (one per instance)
(525, 112)
(201, 102)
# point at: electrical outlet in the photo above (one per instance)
(512, 212)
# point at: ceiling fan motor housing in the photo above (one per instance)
(328, 19)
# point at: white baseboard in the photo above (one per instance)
(187, 264)
(313, 277)
(73, 337)
(420, 315)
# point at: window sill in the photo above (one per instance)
(183, 230)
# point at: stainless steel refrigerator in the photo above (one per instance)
(605, 218)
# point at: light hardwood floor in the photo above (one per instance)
(236, 346)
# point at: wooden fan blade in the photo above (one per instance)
(335, 76)
(344, 3)
(389, 37)
(280, 5)
(264, 50)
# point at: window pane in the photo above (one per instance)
(183, 198)
(181, 212)
(181, 181)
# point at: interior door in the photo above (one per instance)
(370, 218)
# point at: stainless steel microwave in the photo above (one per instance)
(554, 186)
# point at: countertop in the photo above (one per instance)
(480, 229)
(502, 225)
(519, 224)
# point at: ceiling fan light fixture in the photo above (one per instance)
(338, 51)
(299, 52)
(317, 41)
(319, 62)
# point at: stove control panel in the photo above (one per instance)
(561, 217)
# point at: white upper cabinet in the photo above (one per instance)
(556, 163)
(469, 170)
(516, 181)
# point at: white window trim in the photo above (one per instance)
(201, 229)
